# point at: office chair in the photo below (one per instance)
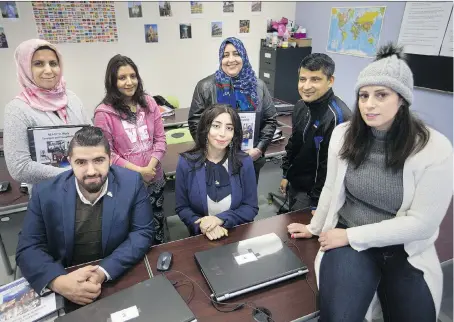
(173, 100)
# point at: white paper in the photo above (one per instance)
(447, 45)
(20, 302)
(245, 258)
(423, 27)
(267, 75)
(125, 315)
(248, 125)
(267, 55)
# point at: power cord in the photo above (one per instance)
(182, 283)
(288, 241)
(216, 303)
(10, 202)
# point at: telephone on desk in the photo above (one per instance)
(4, 186)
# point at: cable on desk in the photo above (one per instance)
(182, 283)
(12, 201)
(288, 241)
(215, 303)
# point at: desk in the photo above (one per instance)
(284, 120)
(182, 114)
(13, 200)
(287, 301)
(169, 163)
(136, 274)
(180, 118)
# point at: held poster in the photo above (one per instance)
(248, 125)
(50, 145)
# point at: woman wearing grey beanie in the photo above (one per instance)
(388, 187)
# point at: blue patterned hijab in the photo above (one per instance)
(244, 84)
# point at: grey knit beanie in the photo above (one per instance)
(389, 69)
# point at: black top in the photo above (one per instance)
(217, 179)
(87, 232)
(305, 164)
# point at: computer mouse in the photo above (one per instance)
(164, 261)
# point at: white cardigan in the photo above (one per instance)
(428, 189)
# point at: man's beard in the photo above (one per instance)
(92, 187)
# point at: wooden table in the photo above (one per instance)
(13, 200)
(287, 301)
(182, 114)
(180, 118)
(285, 120)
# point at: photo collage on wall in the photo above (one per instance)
(76, 22)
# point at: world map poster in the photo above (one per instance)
(355, 31)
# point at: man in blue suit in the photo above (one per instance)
(91, 212)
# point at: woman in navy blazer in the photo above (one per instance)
(215, 181)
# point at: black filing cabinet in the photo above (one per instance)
(279, 71)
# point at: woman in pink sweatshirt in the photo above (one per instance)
(131, 121)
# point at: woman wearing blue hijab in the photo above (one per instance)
(236, 84)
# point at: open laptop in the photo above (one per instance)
(152, 300)
(248, 265)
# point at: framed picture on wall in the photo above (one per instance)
(216, 29)
(185, 31)
(256, 7)
(196, 8)
(3, 41)
(245, 27)
(151, 33)
(228, 7)
(135, 9)
(165, 9)
(9, 10)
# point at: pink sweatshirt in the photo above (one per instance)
(134, 143)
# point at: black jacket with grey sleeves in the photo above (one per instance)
(305, 163)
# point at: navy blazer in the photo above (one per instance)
(46, 241)
(191, 195)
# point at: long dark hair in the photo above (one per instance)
(197, 155)
(114, 97)
(408, 135)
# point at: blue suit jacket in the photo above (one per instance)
(46, 241)
(191, 195)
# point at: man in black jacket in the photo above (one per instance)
(314, 118)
